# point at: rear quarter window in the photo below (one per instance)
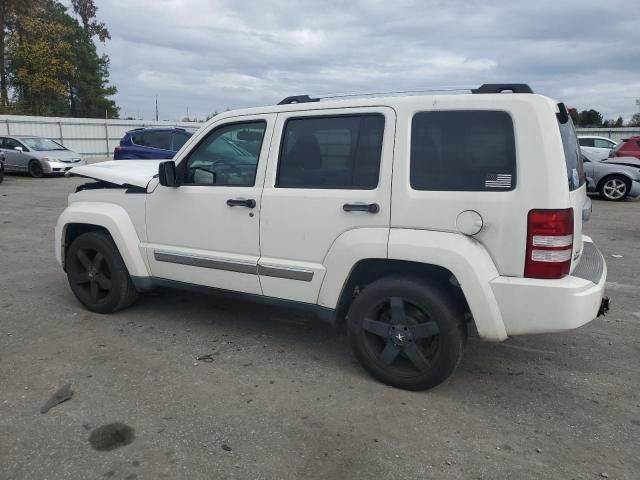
(572, 155)
(465, 150)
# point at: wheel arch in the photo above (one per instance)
(112, 219)
(459, 262)
(368, 270)
(626, 176)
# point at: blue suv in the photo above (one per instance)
(156, 143)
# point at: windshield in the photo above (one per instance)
(40, 144)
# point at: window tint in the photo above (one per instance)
(138, 138)
(179, 139)
(572, 156)
(158, 139)
(586, 142)
(463, 151)
(10, 144)
(222, 159)
(331, 152)
(601, 143)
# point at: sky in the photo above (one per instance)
(202, 56)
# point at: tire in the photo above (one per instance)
(1, 173)
(97, 274)
(614, 188)
(35, 169)
(407, 332)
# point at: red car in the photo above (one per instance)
(629, 147)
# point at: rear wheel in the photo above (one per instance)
(614, 188)
(35, 169)
(406, 332)
(97, 274)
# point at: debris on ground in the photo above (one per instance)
(111, 436)
(614, 255)
(208, 357)
(226, 447)
(63, 394)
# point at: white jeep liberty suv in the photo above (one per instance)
(409, 217)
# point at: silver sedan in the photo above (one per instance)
(614, 178)
(37, 155)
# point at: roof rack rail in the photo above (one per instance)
(298, 99)
(503, 87)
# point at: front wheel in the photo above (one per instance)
(97, 274)
(35, 169)
(615, 188)
(406, 332)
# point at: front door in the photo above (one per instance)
(14, 159)
(206, 231)
(330, 177)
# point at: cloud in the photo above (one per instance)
(212, 55)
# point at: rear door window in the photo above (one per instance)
(158, 139)
(602, 143)
(464, 150)
(341, 152)
(586, 142)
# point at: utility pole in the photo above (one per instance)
(156, 108)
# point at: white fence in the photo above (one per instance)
(615, 134)
(89, 136)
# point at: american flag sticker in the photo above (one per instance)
(500, 180)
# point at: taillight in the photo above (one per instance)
(549, 243)
(117, 149)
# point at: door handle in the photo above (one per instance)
(361, 207)
(241, 202)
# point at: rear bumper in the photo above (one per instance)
(539, 306)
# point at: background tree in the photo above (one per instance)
(41, 58)
(87, 11)
(635, 119)
(49, 63)
(88, 87)
(10, 11)
(589, 118)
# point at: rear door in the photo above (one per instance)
(328, 173)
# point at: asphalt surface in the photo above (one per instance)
(285, 399)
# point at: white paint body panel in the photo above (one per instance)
(195, 220)
(539, 306)
(116, 220)
(299, 225)
(137, 173)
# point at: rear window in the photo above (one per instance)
(464, 150)
(572, 157)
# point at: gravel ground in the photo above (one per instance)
(285, 399)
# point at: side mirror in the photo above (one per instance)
(167, 174)
(20, 149)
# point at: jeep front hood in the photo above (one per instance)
(137, 173)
